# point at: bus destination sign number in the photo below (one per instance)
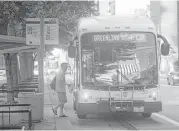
(119, 37)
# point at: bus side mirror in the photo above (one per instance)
(165, 47)
(71, 51)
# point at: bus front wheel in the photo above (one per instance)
(74, 105)
(146, 115)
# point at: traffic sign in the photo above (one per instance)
(51, 31)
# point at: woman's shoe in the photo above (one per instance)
(63, 115)
(54, 111)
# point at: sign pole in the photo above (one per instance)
(41, 62)
(41, 32)
(178, 28)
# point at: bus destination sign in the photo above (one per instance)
(119, 37)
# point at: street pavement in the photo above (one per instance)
(170, 100)
(166, 120)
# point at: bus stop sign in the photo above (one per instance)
(51, 31)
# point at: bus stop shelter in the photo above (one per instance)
(19, 66)
(18, 59)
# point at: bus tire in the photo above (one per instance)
(74, 105)
(146, 115)
(172, 82)
(81, 116)
(168, 81)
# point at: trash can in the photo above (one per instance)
(36, 101)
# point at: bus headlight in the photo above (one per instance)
(75, 90)
(153, 94)
(85, 95)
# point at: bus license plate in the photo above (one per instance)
(138, 109)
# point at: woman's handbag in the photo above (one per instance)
(53, 83)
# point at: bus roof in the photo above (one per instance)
(101, 22)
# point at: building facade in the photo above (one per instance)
(107, 7)
(165, 15)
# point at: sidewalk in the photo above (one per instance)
(52, 122)
(163, 75)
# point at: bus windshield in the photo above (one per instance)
(118, 57)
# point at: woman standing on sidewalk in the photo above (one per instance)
(60, 88)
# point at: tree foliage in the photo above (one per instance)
(68, 12)
(10, 12)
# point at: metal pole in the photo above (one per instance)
(178, 27)
(159, 18)
(41, 62)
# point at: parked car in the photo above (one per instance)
(173, 78)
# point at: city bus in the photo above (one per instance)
(117, 65)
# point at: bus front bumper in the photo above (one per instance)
(138, 106)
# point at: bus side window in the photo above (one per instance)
(114, 55)
(78, 75)
(96, 53)
(77, 70)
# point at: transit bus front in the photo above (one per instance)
(117, 71)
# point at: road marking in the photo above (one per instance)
(167, 119)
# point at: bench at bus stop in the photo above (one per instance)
(28, 85)
(11, 110)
